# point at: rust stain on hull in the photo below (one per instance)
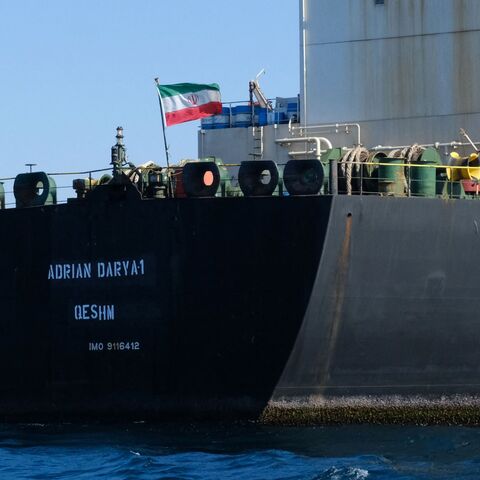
(340, 288)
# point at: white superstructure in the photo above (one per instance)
(405, 70)
(375, 72)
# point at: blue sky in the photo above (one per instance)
(71, 71)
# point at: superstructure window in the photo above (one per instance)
(379, 2)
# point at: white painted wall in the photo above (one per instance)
(235, 145)
(408, 71)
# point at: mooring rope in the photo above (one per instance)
(352, 162)
(410, 154)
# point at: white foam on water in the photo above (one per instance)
(348, 473)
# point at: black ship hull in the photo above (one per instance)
(310, 309)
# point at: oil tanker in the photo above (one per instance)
(316, 264)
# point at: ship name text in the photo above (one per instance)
(111, 269)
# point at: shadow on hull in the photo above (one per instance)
(153, 309)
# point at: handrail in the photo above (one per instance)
(86, 172)
(426, 145)
(414, 165)
(468, 180)
(292, 129)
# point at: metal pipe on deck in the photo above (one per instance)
(330, 125)
(317, 140)
(333, 177)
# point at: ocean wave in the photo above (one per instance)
(238, 452)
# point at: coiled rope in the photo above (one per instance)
(410, 154)
(351, 162)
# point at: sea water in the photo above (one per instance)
(232, 451)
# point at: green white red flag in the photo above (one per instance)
(183, 102)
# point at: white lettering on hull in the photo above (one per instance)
(111, 269)
(69, 271)
(94, 312)
(121, 268)
(114, 346)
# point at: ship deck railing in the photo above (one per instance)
(449, 182)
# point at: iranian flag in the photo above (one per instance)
(183, 102)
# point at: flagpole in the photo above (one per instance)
(167, 156)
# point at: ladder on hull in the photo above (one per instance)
(257, 133)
